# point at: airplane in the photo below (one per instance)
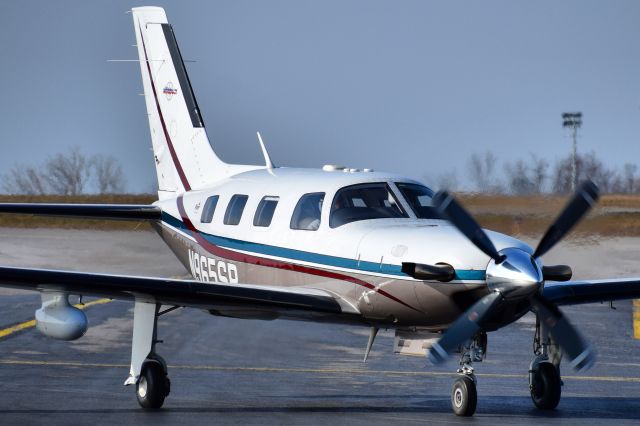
(336, 245)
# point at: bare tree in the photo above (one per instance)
(539, 167)
(67, 174)
(108, 174)
(588, 166)
(23, 179)
(524, 178)
(446, 180)
(518, 179)
(481, 171)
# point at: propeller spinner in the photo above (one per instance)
(513, 274)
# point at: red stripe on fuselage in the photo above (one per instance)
(261, 261)
(174, 156)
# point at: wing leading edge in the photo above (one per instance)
(576, 292)
(95, 211)
(235, 300)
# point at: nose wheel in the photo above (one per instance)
(464, 396)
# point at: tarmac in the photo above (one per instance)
(227, 371)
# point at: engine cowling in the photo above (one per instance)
(58, 319)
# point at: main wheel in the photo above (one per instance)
(153, 385)
(464, 396)
(546, 387)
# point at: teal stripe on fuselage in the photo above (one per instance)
(305, 256)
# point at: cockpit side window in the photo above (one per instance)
(363, 202)
(420, 199)
(306, 215)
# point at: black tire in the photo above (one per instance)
(464, 397)
(152, 386)
(546, 388)
(156, 357)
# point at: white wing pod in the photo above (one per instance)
(58, 319)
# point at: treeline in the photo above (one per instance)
(75, 173)
(71, 173)
(536, 175)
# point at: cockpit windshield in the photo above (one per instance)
(420, 199)
(364, 201)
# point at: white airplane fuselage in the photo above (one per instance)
(359, 262)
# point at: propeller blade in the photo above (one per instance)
(585, 197)
(447, 206)
(573, 345)
(464, 328)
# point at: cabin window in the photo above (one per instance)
(209, 209)
(363, 202)
(234, 210)
(265, 211)
(419, 197)
(306, 215)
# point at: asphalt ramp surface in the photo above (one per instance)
(227, 371)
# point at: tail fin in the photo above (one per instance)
(183, 155)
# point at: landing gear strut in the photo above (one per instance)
(545, 383)
(148, 369)
(464, 396)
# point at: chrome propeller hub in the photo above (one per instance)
(515, 274)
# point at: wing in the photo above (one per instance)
(576, 292)
(234, 300)
(96, 211)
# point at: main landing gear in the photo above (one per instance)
(545, 383)
(148, 369)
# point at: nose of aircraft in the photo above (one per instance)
(430, 245)
(518, 274)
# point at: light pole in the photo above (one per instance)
(573, 120)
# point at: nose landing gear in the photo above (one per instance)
(464, 396)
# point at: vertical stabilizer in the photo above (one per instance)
(184, 158)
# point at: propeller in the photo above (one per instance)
(564, 333)
(465, 327)
(585, 197)
(446, 205)
(513, 274)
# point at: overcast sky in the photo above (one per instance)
(405, 86)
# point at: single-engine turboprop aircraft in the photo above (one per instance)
(334, 245)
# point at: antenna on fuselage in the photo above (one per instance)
(267, 158)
